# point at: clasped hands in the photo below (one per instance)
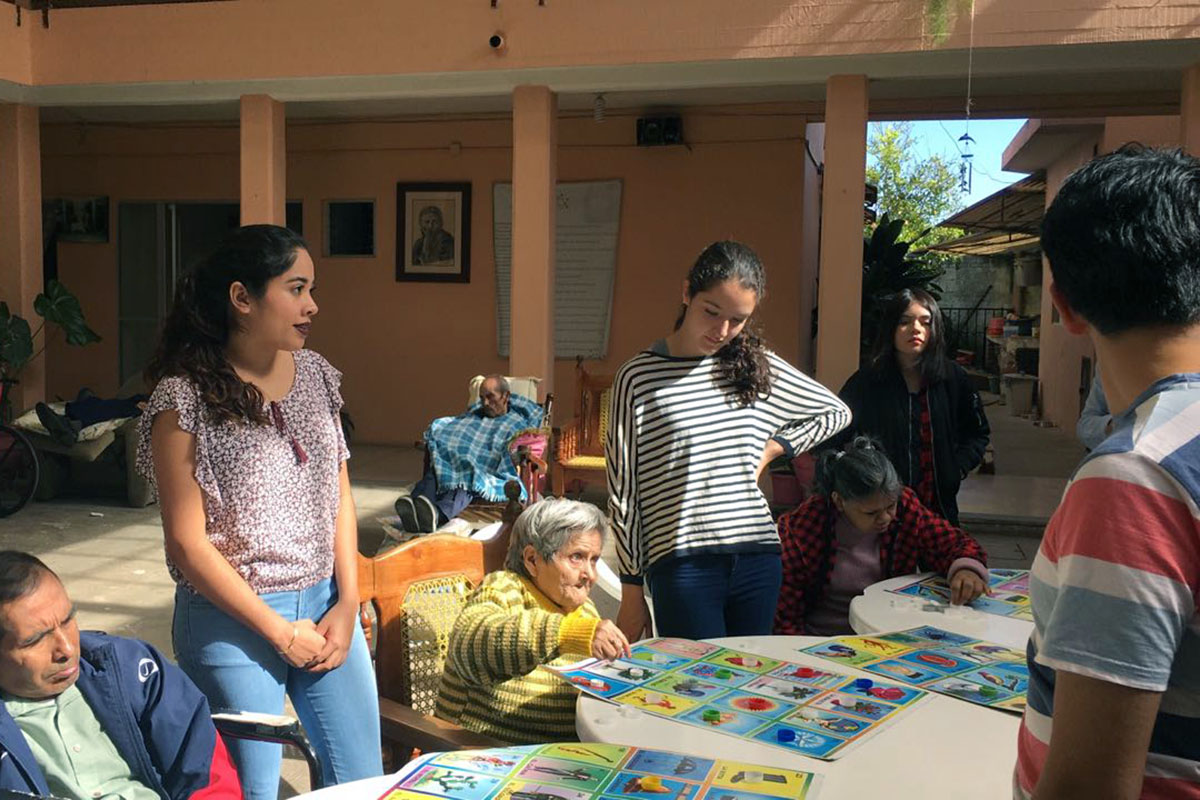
(318, 646)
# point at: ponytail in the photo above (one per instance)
(859, 471)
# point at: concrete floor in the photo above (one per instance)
(111, 557)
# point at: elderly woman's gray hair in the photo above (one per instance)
(549, 525)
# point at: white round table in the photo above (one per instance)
(366, 789)
(943, 748)
(877, 610)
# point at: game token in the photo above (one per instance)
(711, 715)
(723, 674)
(805, 672)
(653, 698)
(987, 691)
(750, 662)
(809, 713)
(863, 683)
(636, 672)
(753, 776)
(658, 658)
(596, 683)
(785, 735)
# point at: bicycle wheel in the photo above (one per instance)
(19, 471)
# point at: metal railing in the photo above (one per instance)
(969, 327)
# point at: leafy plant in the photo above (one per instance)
(887, 269)
(56, 306)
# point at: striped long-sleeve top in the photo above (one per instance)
(681, 455)
(491, 683)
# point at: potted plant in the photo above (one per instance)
(56, 306)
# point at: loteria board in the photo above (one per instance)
(1008, 593)
(982, 672)
(799, 708)
(586, 771)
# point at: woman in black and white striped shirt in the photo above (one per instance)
(695, 420)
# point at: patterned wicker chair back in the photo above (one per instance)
(430, 609)
(415, 592)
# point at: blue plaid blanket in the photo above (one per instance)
(470, 451)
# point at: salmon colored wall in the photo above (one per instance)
(408, 349)
(289, 38)
(16, 59)
(1062, 354)
(172, 163)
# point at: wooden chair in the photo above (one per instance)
(409, 599)
(580, 453)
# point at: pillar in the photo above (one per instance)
(535, 171)
(21, 235)
(263, 160)
(1189, 111)
(839, 295)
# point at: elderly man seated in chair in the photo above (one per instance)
(468, 456)
(95, 716)
(534, 612)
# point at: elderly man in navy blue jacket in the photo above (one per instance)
(91, 716)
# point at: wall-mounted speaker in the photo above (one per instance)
(658, 131)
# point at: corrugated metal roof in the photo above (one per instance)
(1010, 219)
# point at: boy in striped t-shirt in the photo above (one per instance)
(1114, 692)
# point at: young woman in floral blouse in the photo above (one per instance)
(243, 439)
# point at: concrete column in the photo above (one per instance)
(1189, 111)
(21, 235)
(839, 296)
(264, 160)
(535, 171)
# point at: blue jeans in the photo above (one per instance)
(240, 671)
(704, 596)
(448, 503)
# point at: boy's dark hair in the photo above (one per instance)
(1123, 239)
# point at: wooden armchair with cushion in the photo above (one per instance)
(409, 599)
(528, 451)
(580, 453)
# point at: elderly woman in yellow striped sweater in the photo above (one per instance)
(535, 612)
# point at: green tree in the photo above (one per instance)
(919, 190)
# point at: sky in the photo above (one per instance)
(991, 137)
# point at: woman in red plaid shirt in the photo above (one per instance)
(862, 526)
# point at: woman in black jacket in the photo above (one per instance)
(918, 403)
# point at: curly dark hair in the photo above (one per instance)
(744, 359)
(196, 332)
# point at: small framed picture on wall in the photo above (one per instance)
(79, 219)
(433, 232)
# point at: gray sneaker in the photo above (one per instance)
(407, 513)
(427, 515)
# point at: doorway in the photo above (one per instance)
(156, 242)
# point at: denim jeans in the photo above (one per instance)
(703, 596)
(240, 671)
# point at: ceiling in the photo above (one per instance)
(1069, 80)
